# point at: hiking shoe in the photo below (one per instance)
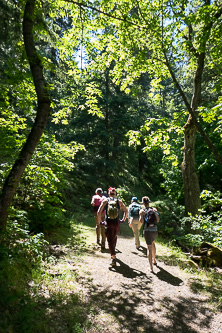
(113, 263)
(103, 246)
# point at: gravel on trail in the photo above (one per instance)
(131, 299)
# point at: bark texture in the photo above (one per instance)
(43, 112)
(190, 178)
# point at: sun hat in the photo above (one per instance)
(99, 190)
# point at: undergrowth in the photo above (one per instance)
(40, 287)
(34, 297)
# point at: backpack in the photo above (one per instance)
(134, 210)
(97, 199)
(149, 218)
(112, 211)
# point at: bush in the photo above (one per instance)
(43, 190)
(207, 226)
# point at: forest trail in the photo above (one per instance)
(130, 299)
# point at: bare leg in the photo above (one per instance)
(103, 231)
(150, 256)
(154, 252)
(98, 229)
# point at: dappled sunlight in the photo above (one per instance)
(135, 300)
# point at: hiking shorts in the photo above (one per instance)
(150, 236)
(96, 208)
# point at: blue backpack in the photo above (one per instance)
(134, 210)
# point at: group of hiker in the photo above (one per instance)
(107, 216)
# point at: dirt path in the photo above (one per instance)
(129, 298)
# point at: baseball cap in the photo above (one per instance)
(134, 199)
(111, 189)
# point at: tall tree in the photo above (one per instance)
(43, 111)
(104, 137)
(160, 37)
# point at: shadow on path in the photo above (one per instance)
(141, 249)
(126, 270)
(136, 310)
(167, 277)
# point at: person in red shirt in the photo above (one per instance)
(97, 199)
(112, 222)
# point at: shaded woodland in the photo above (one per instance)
(100, 94)
(108, 93)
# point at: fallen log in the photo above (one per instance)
(202, 260)
(209, 254)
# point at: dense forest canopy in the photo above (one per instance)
(104, 93)
(141, 110)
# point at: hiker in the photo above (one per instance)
(100, 229)
(150, 229)
(112, 206)
(105, 194)
(133, 218)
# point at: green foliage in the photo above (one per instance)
(26, 287)
(206, 227)
(125, 86)
(105, 138)
(172, 183)
(123, 95)
(170, 214)
(165, 136)
(24, 246)
(45, 180)
(20, 254)
(123, 194)
(165, 41)
(209, 170)
(211, 201)
(11, 139)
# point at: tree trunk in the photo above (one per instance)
(43, 112)
(107, 93)
(190, 179)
